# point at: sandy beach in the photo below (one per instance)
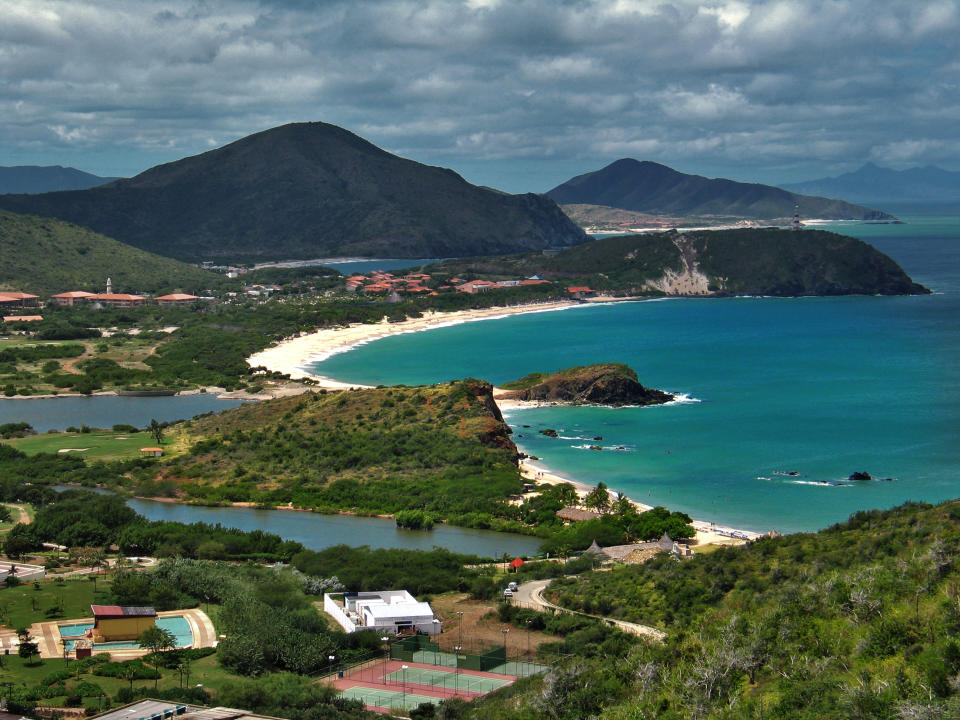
(291, 355)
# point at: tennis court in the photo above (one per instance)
(372, 697)
(448, 680)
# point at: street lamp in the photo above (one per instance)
(460, 628)
(404, 668)
(456, 671)
(505, 631)
(386, 654)
(331, 658)
(528, 638)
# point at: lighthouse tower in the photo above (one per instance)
(109, 287)
(796, 217)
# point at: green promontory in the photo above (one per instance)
(760, 261)
(443, 449)
(601, 384)
(45, 256)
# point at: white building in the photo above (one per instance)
(390, 611)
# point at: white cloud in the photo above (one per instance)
(772, 83)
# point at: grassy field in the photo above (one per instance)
(24, 605)
(91, 446)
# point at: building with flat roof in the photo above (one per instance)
(391, 611)
(150, 709)
(121, 622)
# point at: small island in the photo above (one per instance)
(601, 384)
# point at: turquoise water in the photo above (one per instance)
(822, 387)
(177, 625)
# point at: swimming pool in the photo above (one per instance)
(176, 625)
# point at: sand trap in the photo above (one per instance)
(66, 450)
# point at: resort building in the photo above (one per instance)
(579, 293)
(176, 300)
(117, 299)
(476, 286)
(390, 611)
(150, 709)
(71, 298)
(116, 622)
(10, 299)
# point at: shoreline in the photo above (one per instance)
(290, 356)
(707, 533)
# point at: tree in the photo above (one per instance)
(156, 429)
(157, 640)
(598, 499)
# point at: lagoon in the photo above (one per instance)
(105, 411)
(317, 532)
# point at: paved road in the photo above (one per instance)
(530, 594)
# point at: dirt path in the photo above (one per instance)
(24, 517)
(69, 365)
(530, 594)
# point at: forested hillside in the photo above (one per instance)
(44, 256)
(861, 620)
(761, 261)
(306, 190)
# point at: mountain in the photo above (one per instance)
(37, 179)
(43, 256)
(649, 187)
(871, 183)
(303, 191)
(748, 261)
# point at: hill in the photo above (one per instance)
(441, 449)
(603, 384)
(303, 191)
(763, 261)
(872, 183)
(37, 179)
(45, 256)
(860, 620)
(649, 187)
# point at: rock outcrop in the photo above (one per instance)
(601, 384)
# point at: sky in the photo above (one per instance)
(515, 94)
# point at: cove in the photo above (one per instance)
(317, 532)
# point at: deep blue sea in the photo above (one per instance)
(821, 387)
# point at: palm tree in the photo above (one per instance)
(157, 640)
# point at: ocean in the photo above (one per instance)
(786, 397)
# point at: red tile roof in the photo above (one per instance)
(178, 296)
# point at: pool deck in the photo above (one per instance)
(47, 635)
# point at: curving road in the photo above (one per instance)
(531, 595)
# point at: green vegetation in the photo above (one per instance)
(266, 197)
(767, 261)
(602, 383)
(857, 621)
(92, 445)
(44, 256)
(442, 449)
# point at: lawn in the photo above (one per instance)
(96, 445)
(23, 605)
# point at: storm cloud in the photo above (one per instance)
(518, 94)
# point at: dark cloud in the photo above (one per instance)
(509, 92)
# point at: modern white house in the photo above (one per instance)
(390, 611)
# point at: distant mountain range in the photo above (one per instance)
(649, 187)
(872, 183)
(303, 191)
(41, 179)
(45, 256)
